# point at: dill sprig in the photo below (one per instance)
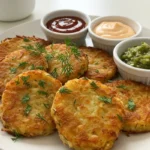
(41, 117)
(22, 64)
(16, 136)
(67, 68)
(27, 110)
(54, 73)
(13, 70)
(94, 85)
(64, 90)
(25, 98)
(41, 83)
(37, 49)
(43, 93)
(105, 99)
(25, 80)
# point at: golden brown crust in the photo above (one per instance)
(18, 62)
(12, 44)
(26, 104)
(68, 66)
(101, 65)
(82, 119)
(138, 119)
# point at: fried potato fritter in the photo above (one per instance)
(18, 62)
(66, 62)
(136, 99)
(12, 44)
(26, 104)
(101, 65)
(87, 115)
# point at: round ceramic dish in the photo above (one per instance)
(127, 71)
(77, 37)
(109, 44)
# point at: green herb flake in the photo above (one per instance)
(43, 93)
(46, 105)
(25, 80)
(120, 117)
(54, 73)
(22, 64)
(27, 110)
(68, 42)
(17, 82)
(40, 67)
(32, 67)
(84, 78)
(26, 40)
(122, 87)
(25, 98)
(16, 136)
(49, 56)
(64, 90)
(75, 51)
(97, 71)
(42, 83)
(94, 85)
(131, 104)
(13, 70)
(41, 117)
(104, 99)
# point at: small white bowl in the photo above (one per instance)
(77, 37)
(109, 44)
(128, 72)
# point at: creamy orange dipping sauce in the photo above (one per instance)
(113, 30)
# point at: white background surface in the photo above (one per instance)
(136, 9)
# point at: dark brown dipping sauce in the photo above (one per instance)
(66, 24)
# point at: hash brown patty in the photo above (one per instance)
(101, 65)
(136, 99)
(12, 44)
(66, 62)
(26, 104)
(17, 62)
(87, 115)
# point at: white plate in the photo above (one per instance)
(52, 142)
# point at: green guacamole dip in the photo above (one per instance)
(138, 56)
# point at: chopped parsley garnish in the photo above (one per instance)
(27, 110)
(64, 90)
(104, 99)
(43, 93)
(25, 98)
(41, 117)
(26, 40)
(131, 104)
(66, 66)
(42, 83)
(49, 56)
(46, 105)
(16, 136)
(120, 117)
(68, 42)
(122, 87)
(13, 70)
(25, 80)
(54, 73)
(22, 64)
(94, 85)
